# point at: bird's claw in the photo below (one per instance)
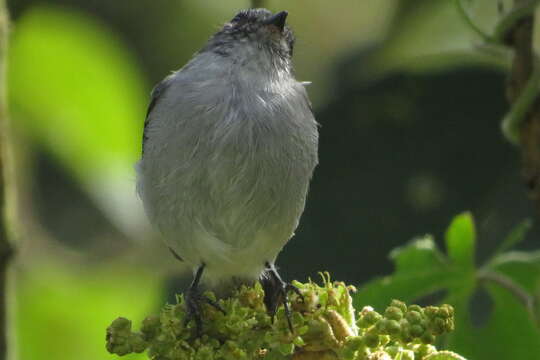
(193, 300)
(275, 294)
(296, 290)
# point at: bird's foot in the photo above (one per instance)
(194, 299)
(275, 293)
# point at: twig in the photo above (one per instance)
(515, 30)
(469, 21)
(5, 247)
(512, 18)
(520, 38)
(503, 27)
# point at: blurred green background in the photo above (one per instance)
(410, 136)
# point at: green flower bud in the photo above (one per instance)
(405, 335)
(380, 326)
(414, 317)
(120, 350)
(150, 327)
(450, 325)
(438, 326)
(393, 313)
(446, 311)
(427, 338)
(118, 334)
(120, 324)
(138, 345)
(368, 319)
(399, 304)
(443, 313)
(371, 340)
(416, 308)
(423, 350)
(416, 331)
(431, 311)
(391, 327)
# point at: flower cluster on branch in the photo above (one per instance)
(326, 326)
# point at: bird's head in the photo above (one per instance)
(255, 34)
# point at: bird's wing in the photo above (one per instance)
(304, 94)
(155, 95)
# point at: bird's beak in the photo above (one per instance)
(278, 20)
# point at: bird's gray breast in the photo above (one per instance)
(228, 160)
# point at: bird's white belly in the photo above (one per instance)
(232, 214)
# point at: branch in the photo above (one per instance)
(5, 247)
(523, 122)
(510, 20)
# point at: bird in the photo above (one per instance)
(230, 144)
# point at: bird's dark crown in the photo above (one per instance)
(252, 24)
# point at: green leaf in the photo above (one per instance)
(522, 270)
(515, 236)
(421, 269)
(510, 333)
(406, 287)
(421, 253)
(461, 241)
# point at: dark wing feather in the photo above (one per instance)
(156, 94)
(157, 91)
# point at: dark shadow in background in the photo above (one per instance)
(399, 157)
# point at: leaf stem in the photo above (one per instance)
(512, 121)
(469, 21)
(508, 284)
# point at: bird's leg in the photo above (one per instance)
(275, 293)
(194, 298)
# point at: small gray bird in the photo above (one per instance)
(229, 147)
